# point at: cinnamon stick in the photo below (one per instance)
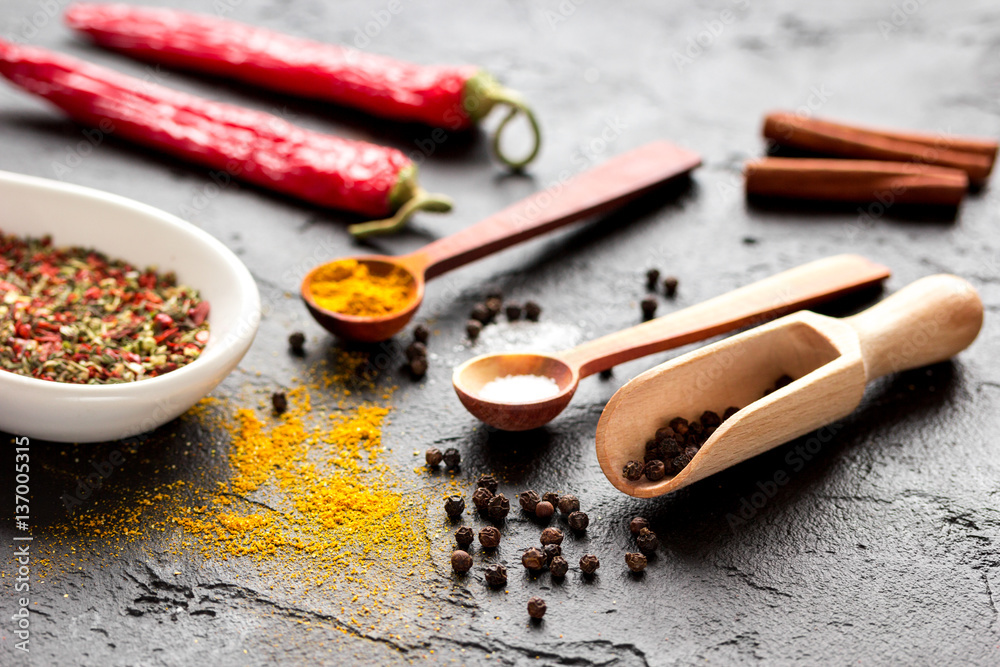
(829, 179)
(974, 156)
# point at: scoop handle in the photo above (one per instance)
(790, 290)
(611, 184)
(927, 321)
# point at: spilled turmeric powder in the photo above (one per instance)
(351, 287)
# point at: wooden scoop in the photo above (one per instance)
(790, 290)
(831, 360)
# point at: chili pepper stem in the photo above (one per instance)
(421, 201)
(482, 93)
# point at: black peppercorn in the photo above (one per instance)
(680, 425)
(529, 500)
(664, 434)
(636, 525)
(532, 311)
(670, 448)
(488, 482)
(551, 497)
(783, 381)
(480, 312)
(670, 286)
(551, 536)
(647, 541)
(690, 451)
(632, 471)
(472, 329)
(655, 470)
(551, 551)
(568, 504)
(513, 311)
(418, 367)
(494, 306)
(280, 402)
(461, 561)
(297, 342)
(652, 278)
(589, 563)
(433, 456)
(416, 350)
(636, 562)
(464, 536)
(730, 411)
(680, 461)
(648, 306)
(536, 607)
(710, 419)
(533, 559)
(544, 509)
(558, 566)
(498, 507)
(481, 499)
(454, 506)
(607, 373)
(421, 333)
(578, 521)
(452, 458)
(494, 293)
(489, 537)
(654, 450)
(496, 575)
(696, 429)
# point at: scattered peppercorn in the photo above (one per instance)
(558, 566)
(680, 461)
(533, 559)
(494, 293)
(636, 562)
(652, 279)
(589, 563)
(461, 561)
(454, 506)
(421, 333)
(551, 497)
(655, 470)
(648, 306)
(297, 342)
(680, 425)
(496, 575)
(499, 507)
(532, 311)
(452, 458)
(416, 350)
(551, 551)
(647, 541)
(551, 536)
(433, 456)
(481, 313)
(529, 500)
(513, 311)
(494, 306)
(636, 525)
(280, 402)
(472, 329)
(632, 471)
(481, 499)
(489, 537)
(607, 373)
(536, 607)
(488, 482)
(710, 419)
(578, 521)
(418, 367)
(464, 536)
(544, 509)
(670, 286)
(568, 504)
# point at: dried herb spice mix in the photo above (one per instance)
(71, 314)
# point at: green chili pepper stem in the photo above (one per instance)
(482, 93)
(420, 201)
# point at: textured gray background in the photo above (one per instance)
(881, 550)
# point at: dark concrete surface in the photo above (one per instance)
(882, 548)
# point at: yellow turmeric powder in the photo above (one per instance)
(351, 287)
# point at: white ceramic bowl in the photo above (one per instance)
(143, 236)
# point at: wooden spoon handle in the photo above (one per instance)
(790, 290)
(609, 185)
(928, 321)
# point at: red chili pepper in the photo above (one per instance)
(443, 96)
(254, 146)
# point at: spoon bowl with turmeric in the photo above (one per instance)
(371, 298)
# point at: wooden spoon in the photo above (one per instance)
(790, 290)
(832, 360)
(613, 183)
